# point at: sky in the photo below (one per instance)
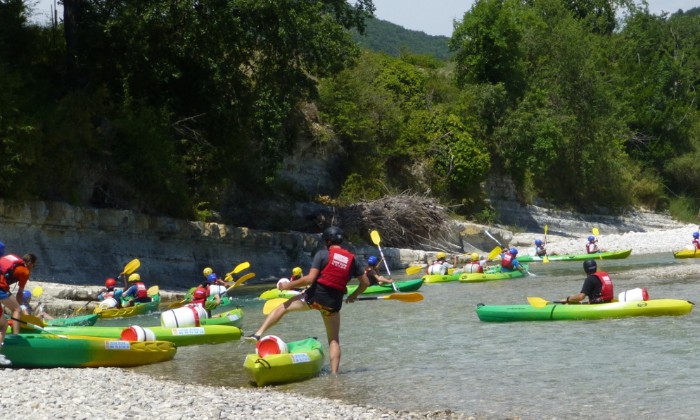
(434, 17)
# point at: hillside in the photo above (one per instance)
(389, 38)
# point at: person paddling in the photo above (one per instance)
(597, 286)
(509, 261)
(331, 270)
(137, 292)
(13, 269)
(372, 272)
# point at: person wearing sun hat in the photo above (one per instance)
(13, 269)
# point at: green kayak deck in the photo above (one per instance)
(609, 255)
(184, 336)
(303, 361)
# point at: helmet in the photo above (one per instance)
(26, 295)
(440, 256)
(212, 277)
(110, 282)
(696, 235)
(2, 249)
(282, 280)
(538, 242)
(333, 234)
(514, 251)
(297, 271)
(589, 266)
(271, 344)
(475, 256)
(135, 277)
(372, 260)
(21, 273)
(207, 271)
(591, 238)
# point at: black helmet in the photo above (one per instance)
(589, 266)
(333, 234)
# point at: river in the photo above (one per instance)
(436, 355)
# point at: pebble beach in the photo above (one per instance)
(112, 393)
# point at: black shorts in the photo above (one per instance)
(325, 299)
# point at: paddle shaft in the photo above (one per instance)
(376, 239)
(492, 237)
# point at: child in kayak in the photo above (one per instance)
(372, 272)
(597, 286)
(696, 240)
(440, 265)
(37, 310)
(540, 248)
(509, 261)
(203, 291)
(138, 291)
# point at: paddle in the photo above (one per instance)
(494, 253)
(152, 291)
(491, 236)
(271, 304)
(537, 302)
(403, 297)
(240, 267)
(131, 266)
(415, 269)
(376, 239)
(82, 308)
(25, 319)
(545, 259)
(37, 291)
(241, 280)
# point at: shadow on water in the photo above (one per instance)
(437, 355)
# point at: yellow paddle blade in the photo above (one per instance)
(152, 291)
(175, 305)
(240, 267)
(132, 266)
(545, 230)
(414, 269)
(37, 291)
(494, 253)
(272, 304)
(403, 297)
(545, 259)
(29, 320)
(242, 280)
(375, 237)
(595, 231)
(537, 302)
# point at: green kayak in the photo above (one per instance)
(185, 336)
(50, 351)
(303, 360)
(83, 320)
(482, 277)
(403, 286)
(559, 312)
(609, 255)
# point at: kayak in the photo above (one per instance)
(277, 293)
(183, 336)
(560, 312)
(440, 278)
(686, 253)
(233, 317)
(303, 361)
(137, 309)
(482, 277)
(47, 351)
(84, 320)
(402, 285)
(608, 255)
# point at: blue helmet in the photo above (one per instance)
(2, 249)
(26, 295)
(696, 235)
(538, 242)
(591, 238)
(211, 278)
(372, 260)
(514, 251)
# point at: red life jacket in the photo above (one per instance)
(141, 291)
(200, 294)
(606, 293)
(336, 274)
(507, 261)
(591, 248)
(8, 263)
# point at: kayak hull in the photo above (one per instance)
(440, 278)
(137, 309)
(403, 286)
(277, 293)
(686, 253)
(184, 336)
(84, 320)
(610, 255)
(46, 351)
(303, 361)
(482, 277)
(562, 312)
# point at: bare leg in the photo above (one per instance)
(11, 304)
(3, 329)
(294, 304)
(332, 323)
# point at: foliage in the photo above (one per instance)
(386, 37)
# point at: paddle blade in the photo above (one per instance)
(37, 291)
(272, 304)
(152, 291)
(240, 267)
(132, 266)
(375, 237)
(595, 231)
(405, 297)
(545, 230)
(537, 302)
(414, 269)
(494, 253)
(242, 280)
(545, 259)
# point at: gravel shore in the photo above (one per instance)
(108, 393)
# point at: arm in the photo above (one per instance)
(577, 298)
(303, 281)
(364, 282)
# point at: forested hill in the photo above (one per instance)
(389, 38)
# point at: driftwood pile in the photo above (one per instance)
(403, 221)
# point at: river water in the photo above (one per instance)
(436, 354)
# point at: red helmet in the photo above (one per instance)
(110, 282)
